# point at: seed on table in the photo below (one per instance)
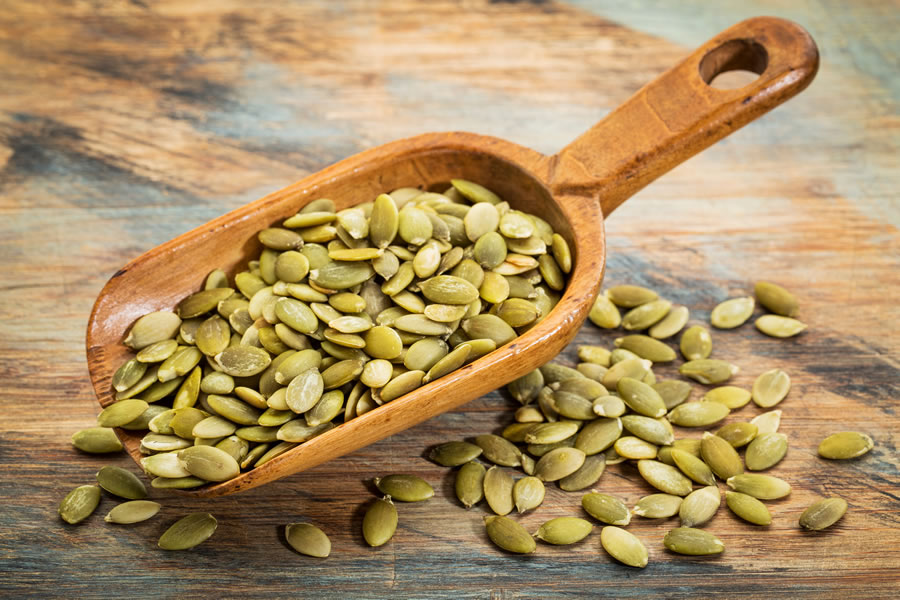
(665, 478)
(499, 450)
(738, 434)
(775, 298)
(604, 313)
(720, 455)
(122, 483)
(630, 296)
(308, 539)
(550, 433)
(189, 531)
(624, 547)
(646, 347)
(606, 509)
(655, 431)
(693, 467)
(380, 522)
(708, 370)
(696, 343)
(564, 530)
(79, 504)
(748, 508)
(608, 406)
(844, 445)
(498, 490)
(528, 493)
(732, 313)
(658, 506)
(698, 414)
(699, 506)
(134, 511)
(469, 484)
(634, 448)
(406, 488)
(97, 440)
(671, 324)
(778, 326)
(673, 392)
(640, 397)
(634, 368)
(509, 535)
(823, 513)
(731, 396)
(767, 422)
(646, 315)
(598, 435)
(762, 487)
(693, 542)
(559, 463)
(770, 388)
(587, 474)
(766, 451)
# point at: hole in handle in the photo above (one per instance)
(734, 64)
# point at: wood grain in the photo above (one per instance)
(125, 124)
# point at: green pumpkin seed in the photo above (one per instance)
(214, 427)
(634, 448)
(693, 467)
(341, 275)
(573, 406)
(608, 406)
(475, 193)
(518, 312)
(209, 463)
(243, 361)
(624, 547)
(154, 442)
(157, 352)
(598, 435)
(844, 445)
(278, 238)
(823, 513)
(634, 368)
(97, 440)
(122, 483)
(693, 542)
(731, 396)
(490, 250)
(559, 463)
(489, 327)
(454, 454)
(646, 315)
(499, 450)
(671, 324)
(401, 385)
(658, 506)
(481, 219)
(778, 326)
(498, 490)
(699, 506)
(189, 531)
(655, 431)
(708, 370)
(132, 512)
(696, 343)
(587, 474)
(698, 414)
(721, 456)
(406, 488)
(121, 412)
(304, 391)
(79, 504)
(550, 433)
(767, 422)
(422, 325)
(776, 298)
(188, 391)
(509, 535)
(732, 313)
(766, 451)
(525, 389)
(763, 487)
(165, 464)
(604, 313)
(308, 539)
(383, 342)
(646, 347)
(449, 363)
(630, 296)
(202, 302)
(424, 354)
(620, 354)
(180, 483)
(748, 508)
(469, 484)
(606, 509)
(640, 397)
(297, 431)
(128, 374)
(225, 406)
(528, 493)
(561, 252)
(689, 445)
(447, 289)
(594, 354)
(564, 530)
(673, 392)
(151, 328)
(665, 478)
(771, 387)
(738, 434)
(217, 383)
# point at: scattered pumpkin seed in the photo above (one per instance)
(823, 514)
(122, 483)
(308, 539)
(778, 326)
(664, 477)
(698, 414)
(844, 445)
(658, 506)
(693, 542)
(748, 508)
(770, 388)
(189, 531)
(721, 456)
(699, 506)
(732, 313)
(528, 493)
(776, 298)
(97, 440)
(763, 487)
(79, 504)
(564, 530)
(509, 535)
(708, 370)
(624, 547)
(766, 451)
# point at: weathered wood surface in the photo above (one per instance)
(125, 124)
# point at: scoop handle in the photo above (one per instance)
(679, 114)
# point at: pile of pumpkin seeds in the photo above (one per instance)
(611, 408)
(341, 312)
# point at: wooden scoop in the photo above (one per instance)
(663, 124)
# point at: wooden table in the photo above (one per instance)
(123, 124)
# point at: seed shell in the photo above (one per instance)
(134, 511)
(509, 535)
(624, 547)
(693, 542)
(189, 531)
(844, 445)
(823, 513)
(564, 530)
(79, 504)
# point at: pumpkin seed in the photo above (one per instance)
(646, 315)
(624, 547)
(776, 298)
(672, 391)
(555, 372)
(732, 313)
(559, 463)
(449, 363)
(564, 530)
(693, 467)
(738, 434)
(634, 448)
(671, 324)
(134, 511)
(598, 435)
(635, 368)
(844, 445)
(573, 406)
(767, 422)
(698, 414)
(128, 374)
(630, 296)
(308, 539)
(665, 478)
(189, 531)
(528, 493)
(298, 430)
(97, 440)
(402, 384)
(225, 406)
(778, 326)
(708, 370)
(498, 490)
(509, 535)
(122, 483)
(770, 388)
(606, 509)
(640, 397)
(658, 506)
(209, 463)
(763, 487)
(823, 513)
(594, 354)
(202, 302)
(79, 504)
(731, 396)
(151, 328)
(693, 542)
(498, 450)
(454, 454)
(550, 433)
(748, 508)
(243, 361)
(604, 313)
(646, 347)
(165, 464)
(721, 456)
(157, 352)
(561, 252)
(699, 506)
(608, 406)
(380, 522)
(121, 412)
(696, 343)
(406, 488)
(488, 326)
(766, 451)
(469, 484)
